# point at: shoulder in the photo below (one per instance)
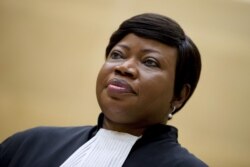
(45, 133)
(180, 156)
(54, 130)
(159, 147)
(42, 141)
(183, 158)
(39, 133)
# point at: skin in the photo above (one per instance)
(148, 68)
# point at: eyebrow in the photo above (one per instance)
(123, 46)
(146, 50)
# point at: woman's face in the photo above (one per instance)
(135, 84)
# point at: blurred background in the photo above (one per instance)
(52, 50)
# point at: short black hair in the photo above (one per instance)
(169, 32)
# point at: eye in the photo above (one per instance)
(115, 55)
(151, 62)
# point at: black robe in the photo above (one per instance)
(51, 146)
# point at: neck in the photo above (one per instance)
(133, 130)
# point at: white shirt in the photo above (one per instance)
(106, 149)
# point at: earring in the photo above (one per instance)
(170, 116)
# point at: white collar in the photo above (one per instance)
(106, 149)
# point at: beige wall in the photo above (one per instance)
(51, 51)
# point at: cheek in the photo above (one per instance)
(158, 88)
(105, 70)
(102, 77)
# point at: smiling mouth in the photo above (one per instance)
(119, 86)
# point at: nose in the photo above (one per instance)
(128, 69)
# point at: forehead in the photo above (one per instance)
(131, 40)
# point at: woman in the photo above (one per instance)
(151, 70)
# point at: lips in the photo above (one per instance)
(119, 86)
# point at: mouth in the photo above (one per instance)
(119, 86)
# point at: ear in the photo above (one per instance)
(180, 100)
